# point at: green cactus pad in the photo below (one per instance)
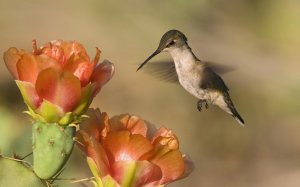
(15, 173)
(52, 145)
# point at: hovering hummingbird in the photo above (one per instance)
(195, 76)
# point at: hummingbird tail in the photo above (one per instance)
(231, 109)
(237, 117)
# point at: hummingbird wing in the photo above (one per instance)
(166, 71)
(219, 68)
(211, 80)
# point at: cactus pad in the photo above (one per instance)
(52, 145)
(16, 174)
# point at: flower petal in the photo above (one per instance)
(59, 87)
(128, 122)
(171, 164)
(103, 72)
(97, 125)
(80, 67)
(85, 99)
(135, 173)
(165, 137)
(29, 94)
(189, 166)
(73, 47)
(29, 66)
(164, 141)
(95, 151)
(97, 182)
(63, 50)
(54, 51)
(165, 153)
(11, 57)
(124, 146)
(108, 181)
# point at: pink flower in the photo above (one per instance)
(58, 81)
(121, 151)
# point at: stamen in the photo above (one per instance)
(73, 46)
(97, 57)
(50, 45)
(34, 47)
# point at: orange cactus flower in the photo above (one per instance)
(122, 151)
(58, 80)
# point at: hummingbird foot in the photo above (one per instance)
(200, 103)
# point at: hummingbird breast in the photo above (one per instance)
(189, 71)
(190, 81)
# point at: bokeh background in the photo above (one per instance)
(259, 38)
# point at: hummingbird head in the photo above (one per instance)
(170, 40)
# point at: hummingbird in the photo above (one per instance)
(195, 76)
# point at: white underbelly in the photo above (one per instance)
(189, 73)
(191, 84)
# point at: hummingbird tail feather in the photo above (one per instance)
(237, 117)
(229, 108)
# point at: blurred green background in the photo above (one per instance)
(260, 38)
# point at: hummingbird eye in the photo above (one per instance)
(171, 43)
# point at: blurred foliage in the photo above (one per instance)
(260, 38)
(18, 175)
(6, 132)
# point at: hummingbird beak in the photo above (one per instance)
(151, 56)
